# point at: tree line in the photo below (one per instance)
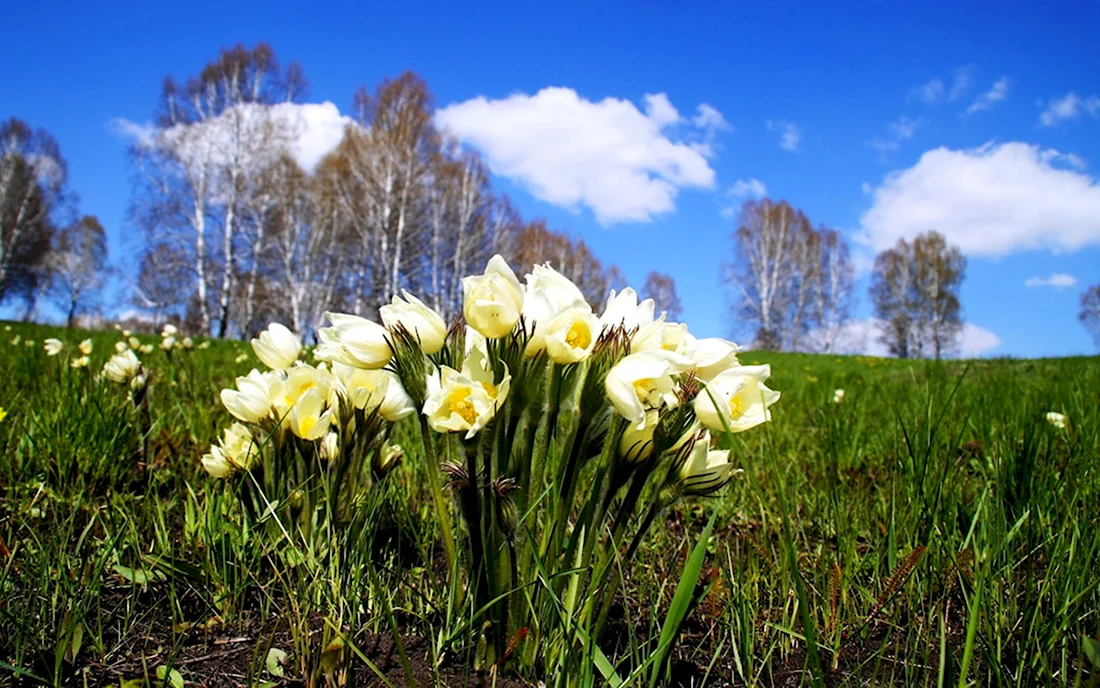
(239, 232)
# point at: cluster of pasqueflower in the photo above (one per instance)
(661, 367)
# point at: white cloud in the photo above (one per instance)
(931, 92)
(996, 93)
(606, 155)
(862, 337)
(307, 131)
(962, 81)
(989, 201)
(1057, 280)
(789, 134)
(899, 131)
(744, 188)
(934, 91)
(1068, 107)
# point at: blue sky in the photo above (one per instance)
(875, 118)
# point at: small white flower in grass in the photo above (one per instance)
(464, 400)
(425, 325)
(16, 340)
(241, 358)
(354, 341)
(277, 347)
(168, 343)
(387, 458)
(125, 333)
(739, 397)
(706, 470)
(80, 362)
(86, 347)
(205, 344)
(235, 451)
(121, 346)
(134, 342)
(169, 330)
(493, 301)
(53, 346)
(636, 444)
(713, 356)
(309, 418)
(30, 342)
(644, 381)
(397, 404)
(838, 396)
(571, 335)
(122, 367)
(251, 401)
(187, 343)
(288, 387)
(1056, 419)
(146, 348)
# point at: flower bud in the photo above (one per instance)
(494, 300)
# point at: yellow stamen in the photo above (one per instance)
(736, 407)
(579, 335)
(459, 401)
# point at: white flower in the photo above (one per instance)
(494, 300)
(636, 444)
(288, 387)
(662, 335)
(426, 326)
(388, 457)
(308, 418)
(329, 448)
(134, 342)
(121, 347)
(838, 396)
(644, 381)
(277, 347)
(236, 450)
(53, 346)
(713, 356)
(168, 330)
(81, 362)
(705, 470)
(205, 344)
(125, 333)
(571, 335)
(354, 341)
(122, 367)
(187, 343)
(397, 404)
(548, 294)
(146, 348)
(86, 347)
(167, 343)
(1057, 420)
(464, 400)
(739, 397)
(241, 358)
(623, 309)
(16, 340)
(251, 401)
(365, 389)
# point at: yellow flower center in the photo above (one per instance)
(736, 407)
(459, 401)
(490, 389)
(306, 424)
(647, 391)
(579, 335)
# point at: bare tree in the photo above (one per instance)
(1090, 312)
(76, 266)
(196, 169)
(833, 295)
(915, 289)
(536, 244)
(33, 176)
(661, 288)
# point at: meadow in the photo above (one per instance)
(932, 527)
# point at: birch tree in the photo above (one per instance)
(833, 295)
(661, 288)
(915, 289)
(77, 263)
(33, 178)
(213, 135)
(1089, 314)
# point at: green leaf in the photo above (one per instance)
(1092, 650)
(174, 678)
(140, 576)
(681, 601)
(276, 660)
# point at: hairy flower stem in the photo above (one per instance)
(441, 508)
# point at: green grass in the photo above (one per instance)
(931, 529)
